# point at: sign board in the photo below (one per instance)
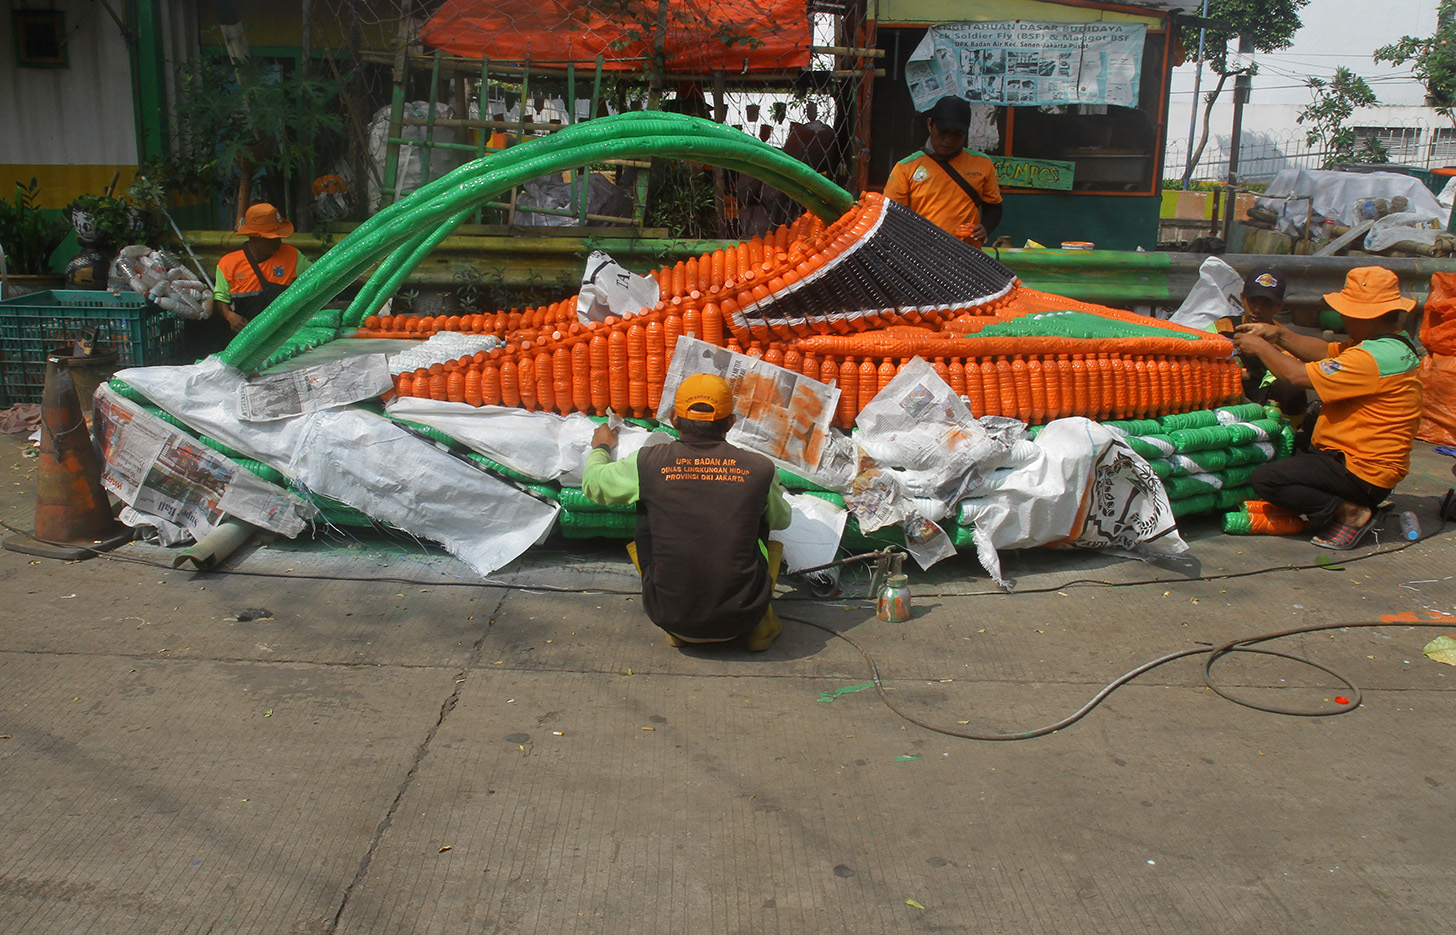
(1054, 174)
(1018, 64)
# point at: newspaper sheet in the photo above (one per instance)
(1016, 63)
(310, 389)
(781, 414)
(159, 471)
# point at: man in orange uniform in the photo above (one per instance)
(250, 278)
(952, 187)
(1371, 406)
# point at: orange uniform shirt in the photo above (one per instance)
(1371, 393)
(236, 279)
(924, 187)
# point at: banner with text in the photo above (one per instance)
(1015, 63)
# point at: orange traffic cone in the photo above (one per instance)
(72, 515)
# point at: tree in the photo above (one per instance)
(1270, 25)
(1434, 59)
(1335, 99)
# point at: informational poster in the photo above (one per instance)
(1018, 64)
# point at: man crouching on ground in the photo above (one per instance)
(704, 510)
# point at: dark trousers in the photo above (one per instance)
(1313, 483)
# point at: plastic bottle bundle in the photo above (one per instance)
(1261, 518)
(1198, 419)
(1243, 412)
(165, 282)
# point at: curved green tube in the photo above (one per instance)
(394, 235)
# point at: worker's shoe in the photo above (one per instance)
(762, 636)
(672, 639)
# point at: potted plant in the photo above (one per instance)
(28, 236)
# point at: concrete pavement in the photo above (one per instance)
(350, 736)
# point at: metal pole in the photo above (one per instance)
(1193, 114)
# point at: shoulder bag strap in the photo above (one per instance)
(956, 176)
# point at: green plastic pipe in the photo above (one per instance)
(440, 206)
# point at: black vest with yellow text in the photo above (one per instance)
(699, 524)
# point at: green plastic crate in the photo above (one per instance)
(34, 326)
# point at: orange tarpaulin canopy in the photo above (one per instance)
(702, 35)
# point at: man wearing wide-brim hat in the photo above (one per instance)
(250, 278)
(1370, 395)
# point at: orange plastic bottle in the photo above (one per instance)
(473, 395)
(617, 390)
(455, 385)
(991, 388)
(601, 396)
(581, 394)
(545, 382)
(637, 370)
(561, 379)
(526, 376)
(1034, 369)
(869, 384)
(712, 323)
(1082, 402)
(404, 384)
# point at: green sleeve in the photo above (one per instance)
(300, 264)
(221, 291)
(777, 510)
(608, 482)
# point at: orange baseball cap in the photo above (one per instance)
(264, 220)
(1370, 291)
(703, 397)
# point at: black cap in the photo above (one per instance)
(950, 113)
(1264, 283)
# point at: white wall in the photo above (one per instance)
(80, 115)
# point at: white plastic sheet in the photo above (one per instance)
(1086, 489)
(1337, 195)
(608, 288)
(542, 445)
(364, 461)
(1217, 294)
(812, 537)
(1403, 227)
(919, 430)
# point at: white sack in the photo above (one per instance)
(1404, 226)
(1087, 489)
(542, 445)
(608, 288)
(1337, 195)
(364, 461)
(1216, 295)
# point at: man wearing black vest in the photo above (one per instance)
(704, 511)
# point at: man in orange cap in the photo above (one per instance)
(704, 511)
(1370, 395)
(250, 278)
